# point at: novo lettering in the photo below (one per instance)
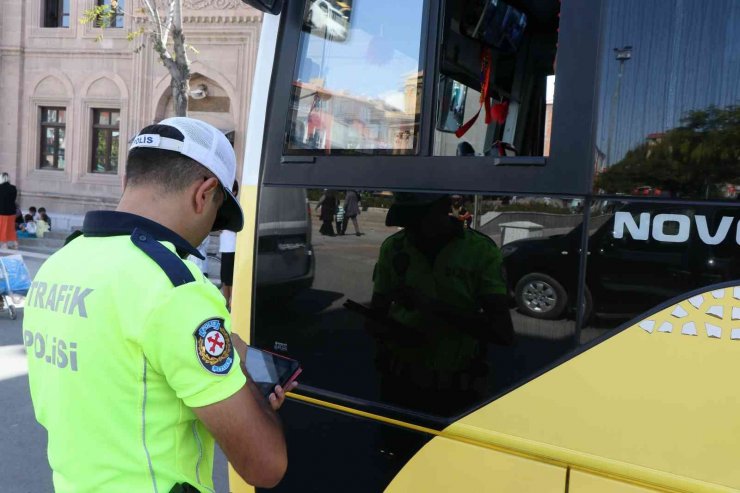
(672, 228)
(638, 232)
(680, 236)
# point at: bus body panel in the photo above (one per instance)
(651, 403)
(475, 468)
(648, 408)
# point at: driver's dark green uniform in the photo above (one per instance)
(124, 338)
(436, 355)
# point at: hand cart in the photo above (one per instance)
(15, 281)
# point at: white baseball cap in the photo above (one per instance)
(208, 146)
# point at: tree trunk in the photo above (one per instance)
(180, 82)
(180, 89)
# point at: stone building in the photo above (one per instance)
(70, 104)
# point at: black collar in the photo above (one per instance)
(114, 223)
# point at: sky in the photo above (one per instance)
(381, 50)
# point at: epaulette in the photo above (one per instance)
(166, 259)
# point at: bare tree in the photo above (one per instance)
(162, 21)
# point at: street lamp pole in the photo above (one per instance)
(622, 55)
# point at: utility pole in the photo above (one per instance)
(622, 55)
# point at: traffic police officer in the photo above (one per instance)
(440, 288)
(132, 366)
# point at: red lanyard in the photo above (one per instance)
(485, 81)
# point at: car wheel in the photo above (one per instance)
(588, 307)
(540, 296)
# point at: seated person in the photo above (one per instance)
(42, 225)
(28, 229)
(44, 216)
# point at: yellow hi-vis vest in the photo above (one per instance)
(123, 339)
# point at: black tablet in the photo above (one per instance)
(269, 369)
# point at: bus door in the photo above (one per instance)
(459, 159)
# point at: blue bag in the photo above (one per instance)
(14, 275)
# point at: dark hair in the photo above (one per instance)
(28, 217)
(32, 209)
(42, 210)
(45, 218)
(171, 170)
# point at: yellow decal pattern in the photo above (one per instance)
(655, 404)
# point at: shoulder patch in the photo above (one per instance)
(213, 346)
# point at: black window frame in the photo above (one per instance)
(567, 171)
(108, 129)
(56, 125)
(54, 14)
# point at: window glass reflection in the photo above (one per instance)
(358, 79)
(410, 300)
(644, 253)
(496, 80)
(669, 120)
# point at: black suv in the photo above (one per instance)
(626, 276)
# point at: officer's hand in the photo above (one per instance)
(278, 397)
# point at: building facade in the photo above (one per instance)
(72, 100)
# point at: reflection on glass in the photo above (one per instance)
(669, 118)
(100, 152)
(439, 298)
(645, 253)
(503, 63)
(358, 79)
(452, 105)
(65, 13)
(114, 150)
(62, 148)
(419, 295)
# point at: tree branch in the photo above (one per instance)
(154, 17)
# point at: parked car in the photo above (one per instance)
(323, 16)
(285, 259)
(625, 275)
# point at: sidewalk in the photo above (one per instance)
(40, 249)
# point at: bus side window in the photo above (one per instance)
(496, 82)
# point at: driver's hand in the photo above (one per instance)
(278, 397)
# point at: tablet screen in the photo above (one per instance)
(268, 370)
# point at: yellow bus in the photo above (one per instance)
(502, 238)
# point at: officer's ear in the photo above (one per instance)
(204, 193)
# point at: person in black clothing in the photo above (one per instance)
(328, 204)
(8, 196)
